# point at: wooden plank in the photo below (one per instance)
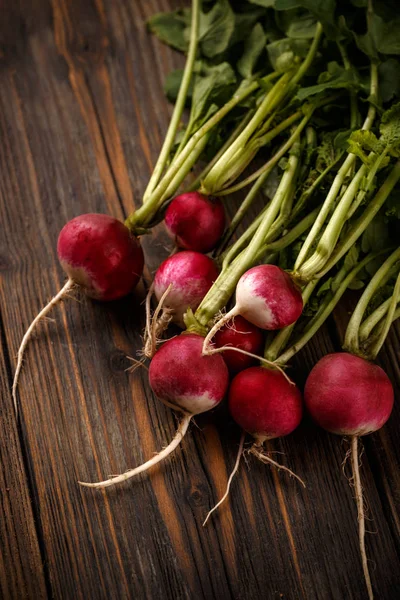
(81, 120)
(21, 563)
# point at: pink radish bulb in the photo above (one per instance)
(195, 222)
(264, 403)
(239, 334)
(101, 255)
(348, 395)
(191, 275)
(267, 297)
(185, 380)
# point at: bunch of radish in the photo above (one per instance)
(241, 309)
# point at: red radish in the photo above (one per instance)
(239, 334)
(267, 297)
(266, 405)
(100, 255)
(195, 222)
(185, 380)
(348, 395)
(191, 275)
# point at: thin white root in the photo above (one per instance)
(360, 509)
(270, 363)
(136, 364)
(156, 325)
(63, 293)
(208, 349)
(268, 460)
(235, 468)
(180, 433)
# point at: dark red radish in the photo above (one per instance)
(348, 395)
(195, 221)
(185, 380)
(267, 297)
(191, 275)
(265, 404)
(100, 255)
(239, 334)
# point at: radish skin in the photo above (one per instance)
(185, 380)
(195, 221)
(267, 297)
(243, 335)
(191, 275)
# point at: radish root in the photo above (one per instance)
(208, 349)
(63, 293)
(156, 325)
(268, 460)
(180, 433)
(235, 468)
(361, 516)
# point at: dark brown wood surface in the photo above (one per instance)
(82, 116)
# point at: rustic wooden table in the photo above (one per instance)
(82, 115)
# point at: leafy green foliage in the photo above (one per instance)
(390, 129)
(323, 11)
(216, 28)
(336, 77)
(389, 79)
(212, 86)
(361, 142)
(172, 28)
(253, 48)
(285, 54)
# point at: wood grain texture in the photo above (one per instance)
(82, 116)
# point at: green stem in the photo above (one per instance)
(325, 210)
(310, 191)
(147, 211)
(369, 183)
(197, 182)
(375, 347)
(351, 339)
(329, 238)
(274, 231)
(373, 319)
(186, 167)
(180, 102)
(273, 349)
(212, 182)
(224, 286)
(339, 179)
(354, 114)
(323, 313)
(364, 220)
(289, 237)
(267, 168)
(242, 210)
(281, 90)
